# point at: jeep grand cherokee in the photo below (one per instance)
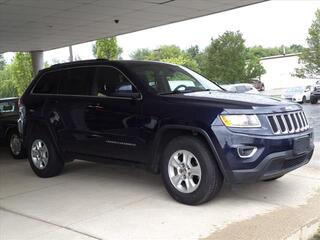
(165, 118)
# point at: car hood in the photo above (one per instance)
(238, 101)
(292, 94)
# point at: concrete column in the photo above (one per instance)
(70, 54)
(37, 61)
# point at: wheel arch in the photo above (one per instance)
(8, 130)
(38, 125)
(168, 132)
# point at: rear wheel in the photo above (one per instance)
(16, 147)
(42, 156)
(189, 172)
(304, 99)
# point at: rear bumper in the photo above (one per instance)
(315, 96)
(274, 165)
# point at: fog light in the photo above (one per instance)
(246, 151)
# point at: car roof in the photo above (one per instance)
(8, 99)
(105, 61)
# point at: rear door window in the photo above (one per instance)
(77, 81)
(48, 83)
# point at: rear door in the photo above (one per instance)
(70, 109)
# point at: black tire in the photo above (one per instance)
(314, 100)
(304, 99)
(272, 179)
(211, 177)
(17, 149)
(54, 164)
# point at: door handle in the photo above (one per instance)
(96, 107)
(94, 136)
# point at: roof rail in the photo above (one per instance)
(79, 62)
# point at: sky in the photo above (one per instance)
(270, 24)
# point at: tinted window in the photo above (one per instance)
(111, 82)
(241, 89)
(48, 83)
(165, 78)
(77, 81)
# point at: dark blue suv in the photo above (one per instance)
(164, 118)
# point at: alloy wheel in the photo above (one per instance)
(184, 171)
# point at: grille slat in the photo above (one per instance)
(285, 123)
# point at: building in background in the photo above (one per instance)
(280, 72)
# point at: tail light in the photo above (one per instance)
(20, 103)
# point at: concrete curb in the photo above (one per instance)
(306, 231)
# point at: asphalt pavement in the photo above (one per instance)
(312, 112)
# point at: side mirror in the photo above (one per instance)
(136, 96)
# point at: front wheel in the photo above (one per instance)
(189, 172)
(43, 157)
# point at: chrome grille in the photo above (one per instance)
(286, 123)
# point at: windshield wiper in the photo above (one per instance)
(174, 92)
(186, 91)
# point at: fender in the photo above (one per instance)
(156, 145)
(9, 128)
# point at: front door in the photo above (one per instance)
(113, 116)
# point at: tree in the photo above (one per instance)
(227, 60)
(15, 77)
(193, 51)
(184, 61)
(141, 54)
(107, 48)
(310, 57)
(7, 86)
(296, 48)
(21, 71)
(254, 68)
(166, 53)
(2, 62)
(260, 52)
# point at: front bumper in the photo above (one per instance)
(274, 156)
(274, 165)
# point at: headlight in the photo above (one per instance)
(240, 121)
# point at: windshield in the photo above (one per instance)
(167, 79)
(295, 90)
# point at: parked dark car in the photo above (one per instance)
(315, 94)
(162, 117)
(259, 85)
(9, 134)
